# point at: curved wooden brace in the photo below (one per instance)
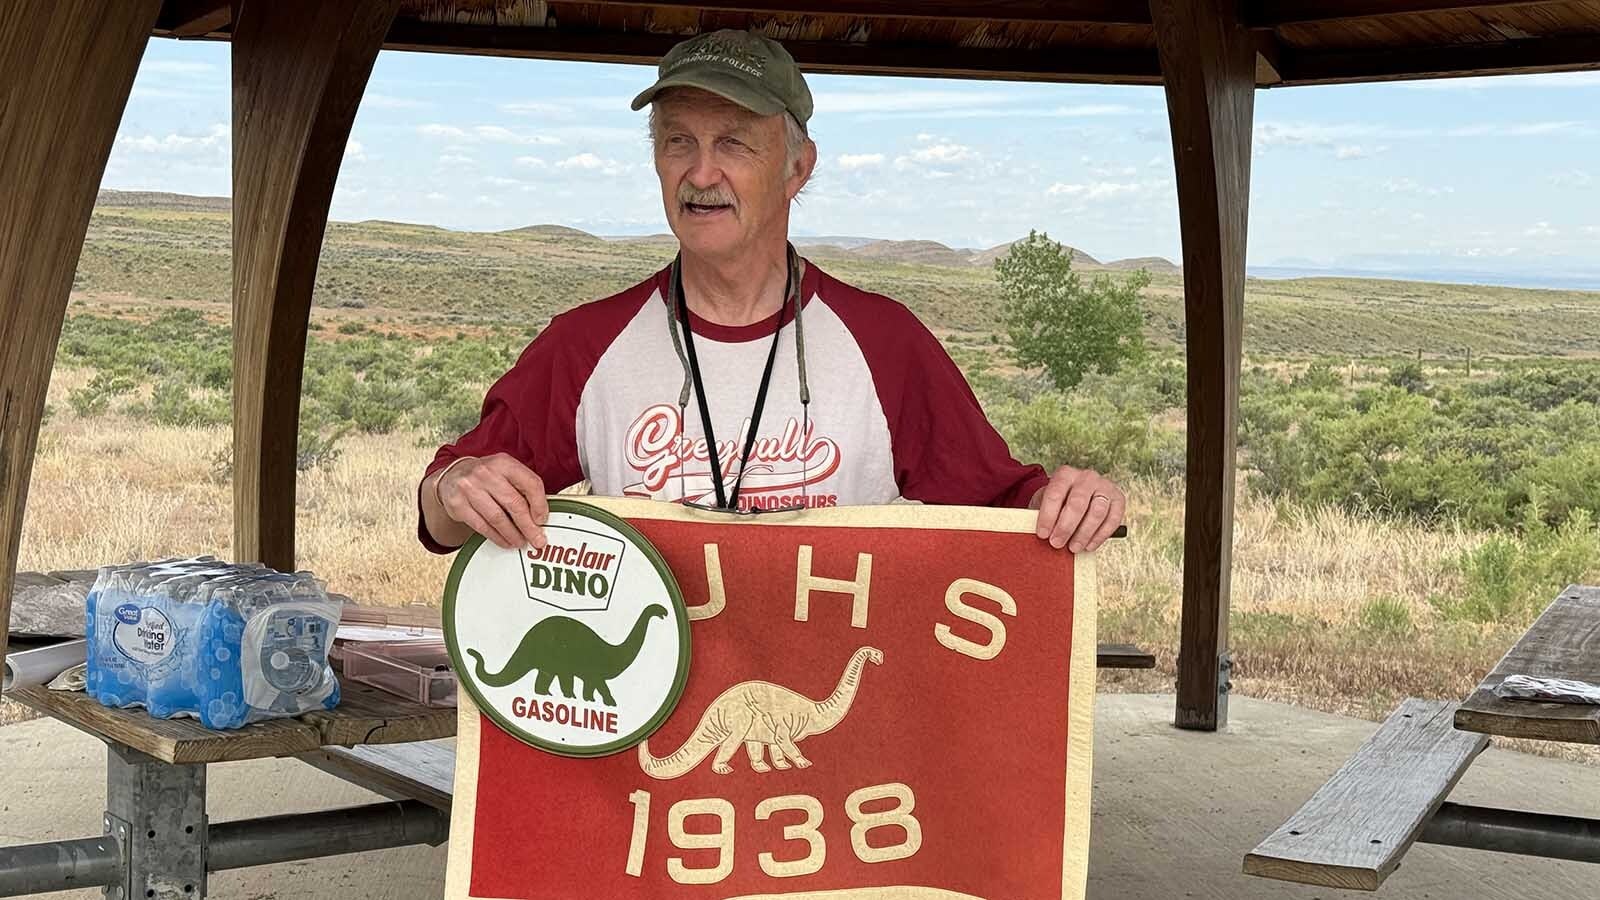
(1208, 67)
(65, 72)
(299, 69)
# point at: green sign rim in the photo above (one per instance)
(679, 610)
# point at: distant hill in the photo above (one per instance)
(927, 253)
(553, 231)
(1152, 264)
(162, 200)
(178, 250)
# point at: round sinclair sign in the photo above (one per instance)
(581, 647)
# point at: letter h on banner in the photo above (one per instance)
(805, 583)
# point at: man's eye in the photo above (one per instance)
(733, 143)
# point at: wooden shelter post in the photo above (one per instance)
(1208, 67)
(65, 72)
(299, 70)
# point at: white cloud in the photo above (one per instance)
(535, 108)
(389, 101)
(592, 163)
(1411, 186)
(849, 161)
(1520, 129)
(1350, 151)
(434, 129)
(435, 196)
(176, 67)
(531, 162)
(217, 137)
(1592, 229)
(1541, 230)
(944, 153)
(492, 133)
(354, 151)
(1541, 80)
(924, 137)
(1095, 190)
(456, 159)
(1574, 178)
(1104, 171)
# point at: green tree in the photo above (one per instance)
(1058, 322)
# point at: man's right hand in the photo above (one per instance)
(498, 497)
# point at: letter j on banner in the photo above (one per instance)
(885, 703)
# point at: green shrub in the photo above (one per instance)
(1386, 617)
(1510, 578)
(1409, 378)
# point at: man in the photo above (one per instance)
(741, 376)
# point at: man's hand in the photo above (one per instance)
(498, 497)
(1078, 509)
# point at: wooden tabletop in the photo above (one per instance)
(1563, 643)
(365, 715)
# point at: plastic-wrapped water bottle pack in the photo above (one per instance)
(226, 643)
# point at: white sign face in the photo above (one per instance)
(580, 647)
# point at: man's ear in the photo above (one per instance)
(803, 167)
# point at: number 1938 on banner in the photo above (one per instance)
(883, 702)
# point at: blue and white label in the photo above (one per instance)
(143, 634)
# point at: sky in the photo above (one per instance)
(1483, 174)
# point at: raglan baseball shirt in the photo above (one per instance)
(595, 396)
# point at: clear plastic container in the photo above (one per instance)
(416, 670)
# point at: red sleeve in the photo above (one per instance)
(531, 412)
(945, 450)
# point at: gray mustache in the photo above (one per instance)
(713, 197)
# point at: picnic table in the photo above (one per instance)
(157, 840)
(1353, 832)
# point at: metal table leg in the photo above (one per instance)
(157, 812)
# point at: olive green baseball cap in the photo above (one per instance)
(747, 68)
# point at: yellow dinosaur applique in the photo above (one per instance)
(763, 717)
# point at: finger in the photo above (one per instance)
(531, 487)
(501, 529)
(516, 505)
(1093, 517)
(1055, 493)
(1113, 519)
(1071, 515)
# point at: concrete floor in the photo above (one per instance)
(1174, 812)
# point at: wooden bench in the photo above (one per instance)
(1354, 830)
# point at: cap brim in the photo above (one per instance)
(729, 87)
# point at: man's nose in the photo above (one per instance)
(704, 173)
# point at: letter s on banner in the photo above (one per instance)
(997, 629)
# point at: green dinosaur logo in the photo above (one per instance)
(564, 649)
(579, 612)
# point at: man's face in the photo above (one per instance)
(723, 175)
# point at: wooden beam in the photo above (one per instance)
(1552, 54)
(1116, 67)
(299, 70)
(1208, 60)
(1273, 13)
(1269, 59)
(192, 18)
(1105, 12)
(65, 72)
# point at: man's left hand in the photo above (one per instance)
(1078, 509)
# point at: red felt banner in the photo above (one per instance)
(928, 690)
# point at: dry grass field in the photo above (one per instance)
(115, 488)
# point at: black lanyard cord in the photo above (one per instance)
(730, 501)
